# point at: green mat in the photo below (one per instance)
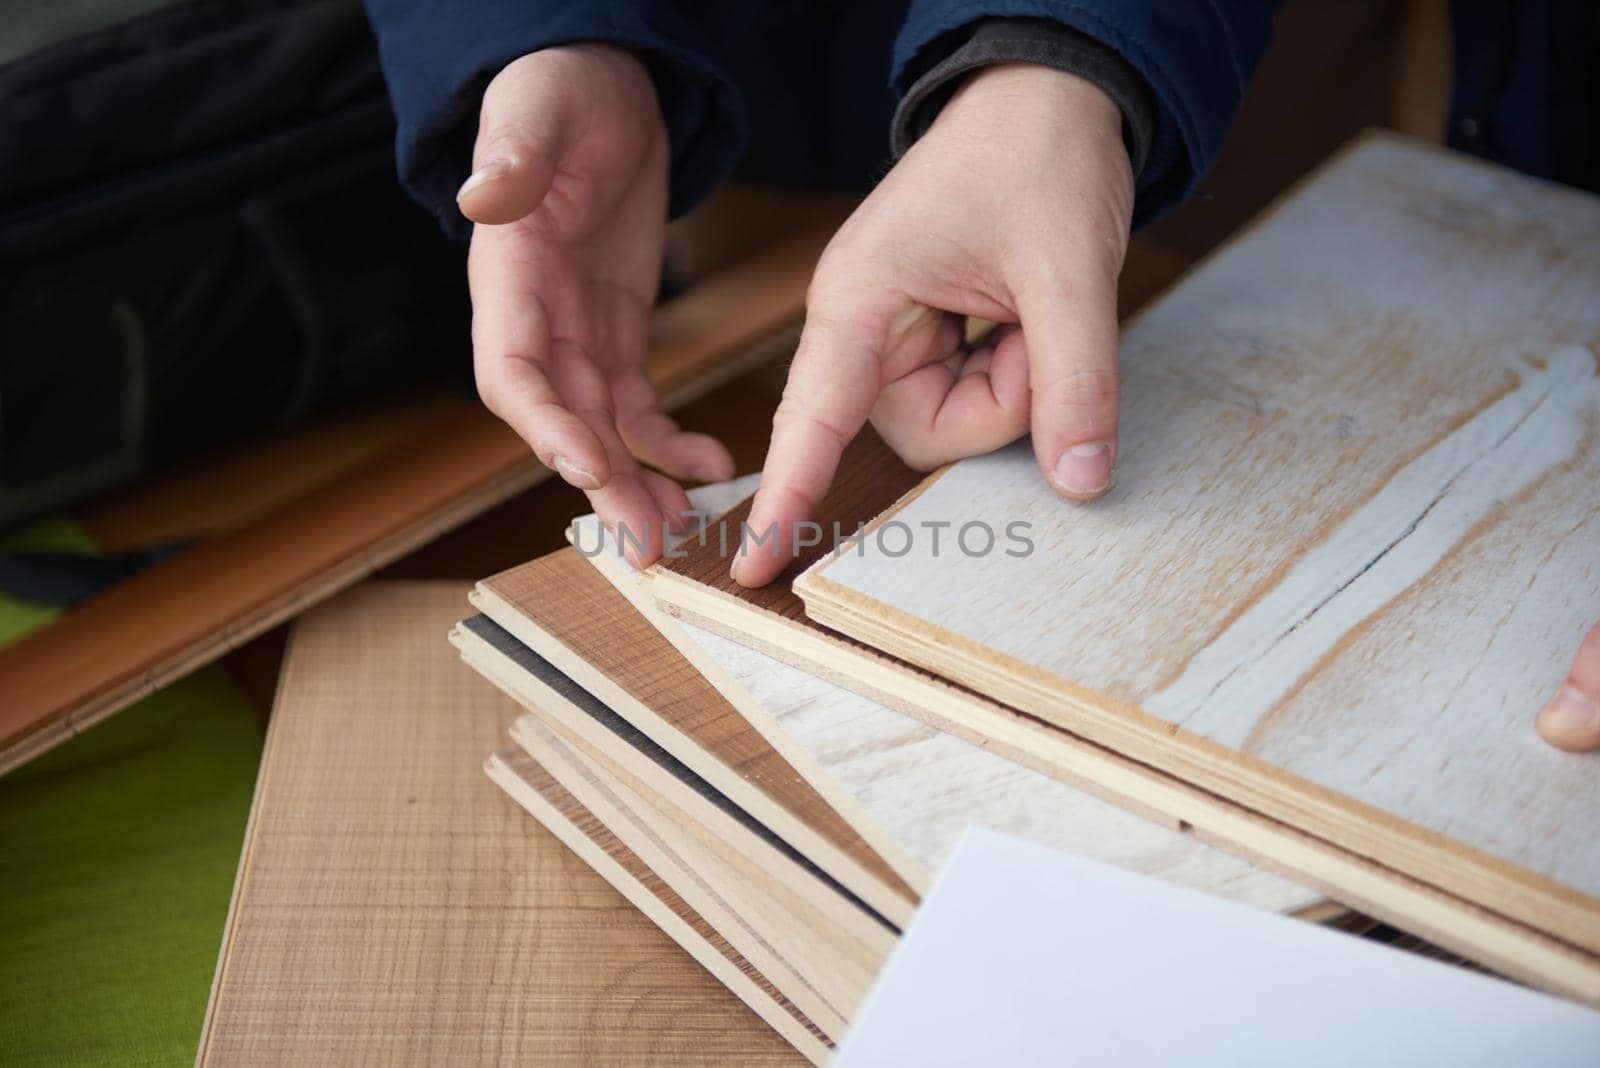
(117, 857)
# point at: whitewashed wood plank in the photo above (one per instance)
(1356, 529)
(920, 787)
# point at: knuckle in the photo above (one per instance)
(1084, 388)
(795, 413)
(914, 449)
(920, 456)
(488, 394)
(837, 280)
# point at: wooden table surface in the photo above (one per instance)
(393, 906)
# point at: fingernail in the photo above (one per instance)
(1084, 468)
(574, 474)
(1570, 712)
(495, 168)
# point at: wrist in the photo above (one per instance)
(1007, 92)
(1001, 50)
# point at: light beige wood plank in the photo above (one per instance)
(1354, 541)
(393, 907)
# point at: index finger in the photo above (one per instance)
(511, 354)
(831, 388)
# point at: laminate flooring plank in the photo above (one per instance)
(1354, 541)
(609, 738)
(560, 607)
(394, 908)
(696, 588)
(917, 787)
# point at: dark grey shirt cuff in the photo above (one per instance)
(1021, 40)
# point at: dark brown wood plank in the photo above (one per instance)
(193, 608)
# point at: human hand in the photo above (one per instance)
(1015, 207)
(569, 191)
(1571, 720)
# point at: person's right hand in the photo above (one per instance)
(1014, 207)
(569, 191)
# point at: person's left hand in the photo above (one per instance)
(569, 194)
(1571, 720)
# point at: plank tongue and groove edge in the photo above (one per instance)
(1353, 544)
(815, 941)
(547, 801)
(911, 789)
(565, 611)
(185, 612)
(696, 588)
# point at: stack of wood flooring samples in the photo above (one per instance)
(1292, 658)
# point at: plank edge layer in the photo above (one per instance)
(1560, 911)
(1507, 946)
(850, 914)
(893, 899)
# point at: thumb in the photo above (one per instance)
(521, 137)
(1071, 334)
(1572, 718)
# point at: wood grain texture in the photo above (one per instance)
(542, 797)
(1354, 542)
(393, 908)
(564, 610)
(916, 788)
(191, 609)
(778, 627)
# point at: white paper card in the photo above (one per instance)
(1022, 955)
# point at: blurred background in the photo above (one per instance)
(235, 377)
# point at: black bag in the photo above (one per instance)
(201, 236)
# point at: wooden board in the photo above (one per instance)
(191, 609)
(392, 907)
(697, 589)
(565, 611)
(545, 799)
(1354, 543)
(224, 490)
(909, 788)
(800, 926)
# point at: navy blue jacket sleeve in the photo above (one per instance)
(1196, 55)
(438, 55)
